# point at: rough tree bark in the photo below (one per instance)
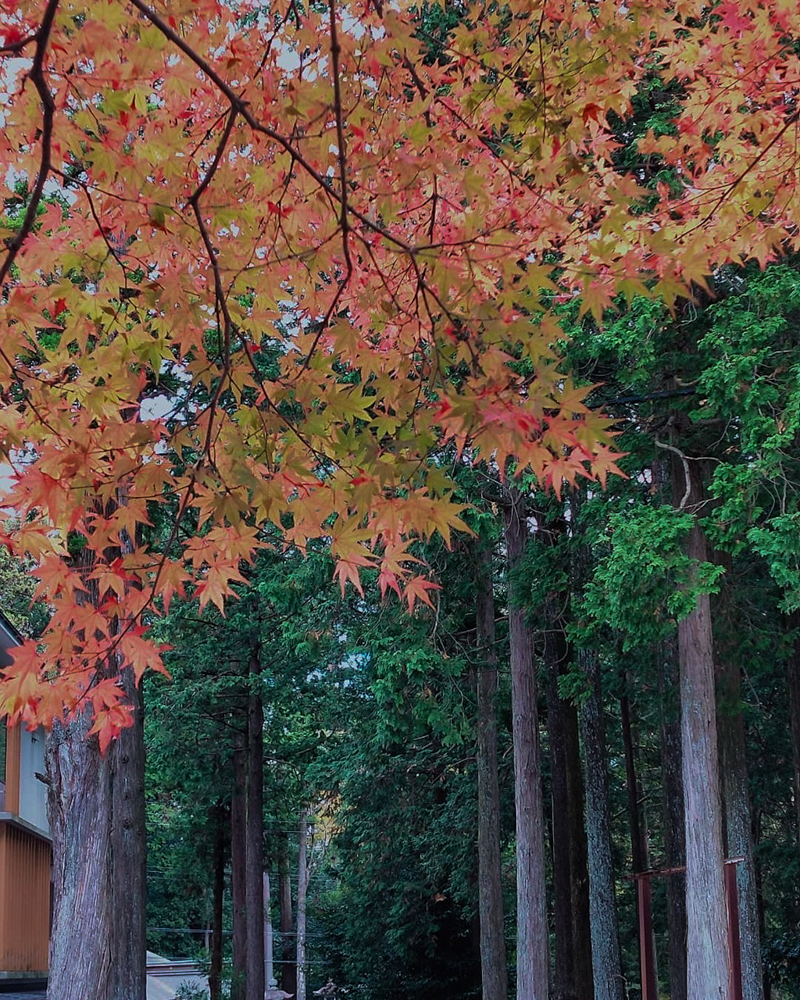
(706, 914)
(793, 678)
(302, 893)
(639, 857)
(239, 867)
(639, 853)
(606, 955)
(96, 813)
(254, 892)
(757, 817)
(737, 815)
(288, 949)
(269, 970)
(572, 979)
(707, 959)
(490, 889)
(533, 953)
(218, 817)
(673, 813)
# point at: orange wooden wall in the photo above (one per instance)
(13, 740)
(24, 900)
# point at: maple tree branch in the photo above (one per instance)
(243, 109)
(320, 456)
(220, 297)
(19, 45)
(220, 152)
(731, 187)
(423, 91)
(344, 220)
(36, 74)
(485, 141)
(113, 251)
(221, 302)
(384, 280)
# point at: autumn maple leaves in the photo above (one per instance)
(346, 233)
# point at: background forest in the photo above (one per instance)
(371, 716)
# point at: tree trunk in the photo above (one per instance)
(490, 888)
(96, 815)
(269, 972)
(793, 678)
(96, 811)
(215, 965)
(572, 978)
(239, 868)
(533, 952)
(639, 855)
(739, 843)
(254, 892)
(302, 890)
(674, 824)
(638, 848)
(738, 824)
(706, 915)
(288, 949)
(606, 956)
(760, 895)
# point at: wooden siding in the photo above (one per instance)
(13, 753)
(24, 899)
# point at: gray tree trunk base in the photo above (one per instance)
(706, 913)
(96, 815)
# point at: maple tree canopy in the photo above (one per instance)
(264, 261)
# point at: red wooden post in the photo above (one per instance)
(646, 956)
(734, 945)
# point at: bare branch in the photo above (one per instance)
(686, 474)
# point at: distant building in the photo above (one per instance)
(165, 977)
(25, 854)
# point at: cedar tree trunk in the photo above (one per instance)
(254, 893)
(572, 979)
(674, 824)
(793, 678)
(215, 966)
(239, 868)
(533, 951)
(737, 816)
(706, 913)
(302, 891)
(490, 889)
(606, 955)
(269, 970)
(288, 949)
(639, 853)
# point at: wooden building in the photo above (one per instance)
(25, 855)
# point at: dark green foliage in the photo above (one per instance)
(646, 583)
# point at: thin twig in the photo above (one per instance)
(685, 463)
(223, 142)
